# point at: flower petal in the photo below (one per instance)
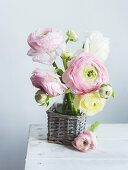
(42, 57)
(48, 82)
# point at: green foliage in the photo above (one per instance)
(113, 94)
(94, 126)
(58, 71)
(68, 106)
(54, 65)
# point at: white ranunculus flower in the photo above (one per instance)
(96, 45)
(106, 91)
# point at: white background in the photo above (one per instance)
(18, 108)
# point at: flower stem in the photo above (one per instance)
(64, 64)
(67, 102)
(58, 71)
(70, 102)
(83, 45)
(64, 104)
(66, 41)
(68, 106)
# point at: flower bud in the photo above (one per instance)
(72, 35)
(41, 97)
(106, 91)
(66, 55)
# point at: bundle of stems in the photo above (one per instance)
(67, 106)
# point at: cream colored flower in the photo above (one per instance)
(90, 103)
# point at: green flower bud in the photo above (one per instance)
(72, 35)
(41, 97)
(66, 55)
(106, 91)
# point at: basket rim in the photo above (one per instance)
(56, 114)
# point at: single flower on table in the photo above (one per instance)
(85, 142)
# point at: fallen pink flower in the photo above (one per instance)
(85, 142)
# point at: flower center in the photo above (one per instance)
(90, 73)
(84, 143)
(44, 33)
(108, 93)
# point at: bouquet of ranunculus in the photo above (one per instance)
(83, 81)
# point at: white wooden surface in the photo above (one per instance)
(111, 154)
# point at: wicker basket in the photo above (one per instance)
(62, 129)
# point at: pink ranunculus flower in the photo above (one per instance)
(85, 142)
(45, 44)
(85, 74)
(48, 82)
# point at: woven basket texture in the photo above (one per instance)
(62, 129)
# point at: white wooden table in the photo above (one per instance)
(111, 154)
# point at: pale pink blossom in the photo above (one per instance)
(45, 44)
(48, 82)
(85, 142)
(85, 74)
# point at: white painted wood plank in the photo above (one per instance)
(113, 131)
(52, 164)
(107, 150)
(112, 151)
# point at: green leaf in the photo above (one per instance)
(47, 103)
(44, 104)
(67, 91)
(58, 71)
(113, 94)
(66, 41)
(94, 126)
(54, 64)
